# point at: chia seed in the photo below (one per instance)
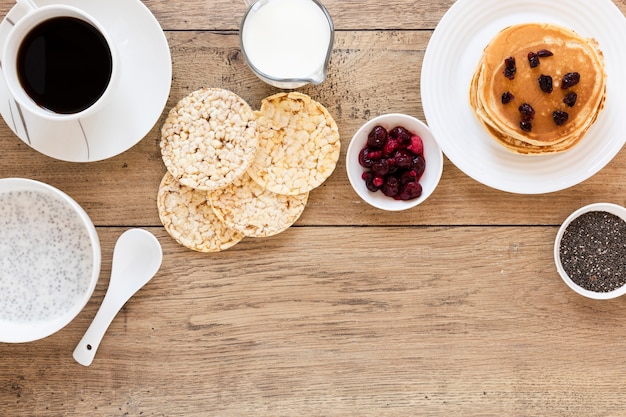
(593, 251)
(46, 257)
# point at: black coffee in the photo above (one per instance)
(64, 64)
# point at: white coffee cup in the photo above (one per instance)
(33, 18)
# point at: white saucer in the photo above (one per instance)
(144, 87)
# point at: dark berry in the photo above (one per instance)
(419, 165)
(377, 137)
(364, 160)
(527, 111)
(570, 99)
(391, 186)
(544, 53)
(545, 83)
(526, 125)
(410, 191)
(533, 59)
(570, 79)
(368, 177)
(507, 97)
(402, 159)
(401, 134)
(381, 167)
(408, 176)
(509, 68)
(560, 117)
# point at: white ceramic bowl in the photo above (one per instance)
(49, 259)
(432, 155)
(607, 207)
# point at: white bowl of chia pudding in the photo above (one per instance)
(49, 260)
(590, 251)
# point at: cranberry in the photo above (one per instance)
(560, 117)
(377, 137)
(544, 53)
(417, 145)
(533, 59)
(570, 79)
(396, 166)
(509, 68)
(507, 97)
(391, 146)
(545, 83)
(570, 99)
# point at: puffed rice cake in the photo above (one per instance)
(298, 144)
(254, 211)
(189, 218)
(209, 139)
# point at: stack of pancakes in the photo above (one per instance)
(501, 91)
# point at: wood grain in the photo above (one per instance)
(326, 322)
(224, 15)
(453, 308)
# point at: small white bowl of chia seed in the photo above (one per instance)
(49, 259)
(590, 251)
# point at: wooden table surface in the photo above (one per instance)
(453, 308)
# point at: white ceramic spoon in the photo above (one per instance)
(136, 259)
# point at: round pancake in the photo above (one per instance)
(568, 53)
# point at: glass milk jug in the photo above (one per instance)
(287, 43)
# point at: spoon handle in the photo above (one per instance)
(86, 349)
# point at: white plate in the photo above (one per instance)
(145, 81)
(449, 63)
